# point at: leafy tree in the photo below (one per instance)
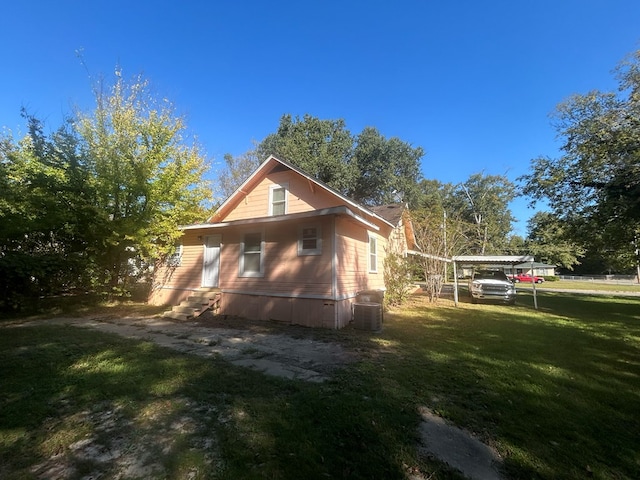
(547, 241)
(516, 245)
(433, 193)
(369, 168)
(483, 201)
(100, 199)
(431, 239)
(438, 235)
(594, 186)
(148, 181)
(479, 220)
(45, 214)
(389, 170)
(397, 279)
(322, 148)
(236, 171)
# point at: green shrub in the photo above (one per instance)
(397, 279)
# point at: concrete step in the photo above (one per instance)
(194, 304)
(198, 299)
(176, 315)
(187, 309)
(206, 292)
(203, 297)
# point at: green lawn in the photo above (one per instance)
(555, 391)
(580, 285)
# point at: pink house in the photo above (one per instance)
(285, 247)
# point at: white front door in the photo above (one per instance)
(211, 262)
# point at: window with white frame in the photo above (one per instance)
(252, 255)
(373, 254)
(175, 258)
(310, 240)
(278, 199)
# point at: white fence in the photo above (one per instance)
(617, 279)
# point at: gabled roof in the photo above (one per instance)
(267, 166)
(392, 213)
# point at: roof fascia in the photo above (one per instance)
(494, 259)
(241, 189)
(342, 210)
(355, 205)
(428, 255)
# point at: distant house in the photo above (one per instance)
(286, 247)
(539, 269)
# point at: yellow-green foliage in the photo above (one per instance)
(397, 279)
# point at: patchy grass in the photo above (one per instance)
(555, 391)
(601, 286)
(80, 305)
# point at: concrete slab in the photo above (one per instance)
(273, 354)
(458, 448)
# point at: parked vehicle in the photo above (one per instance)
(491, 285)
(525, 277)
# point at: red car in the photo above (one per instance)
(525, 277)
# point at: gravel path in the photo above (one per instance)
(273, 354)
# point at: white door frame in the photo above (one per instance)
(211, 260)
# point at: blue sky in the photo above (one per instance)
(471, 82)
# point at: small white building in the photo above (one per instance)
(534, 269)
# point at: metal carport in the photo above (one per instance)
(490, 260)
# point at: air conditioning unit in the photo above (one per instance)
(367, 316)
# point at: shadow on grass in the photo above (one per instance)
(63, 386)
(556, 391)
(60, 384)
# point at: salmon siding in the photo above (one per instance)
(299, 197)
(287, 248)
(284, 270)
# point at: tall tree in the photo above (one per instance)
(483, 200)
(439, 235)
(389, 169)
(236, 171)
(322, 148)
(594, 186)
(148, 180)
(548, 241)
(45, 214)
(369, 168)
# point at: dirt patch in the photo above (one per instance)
(257, 347)
(121, 447)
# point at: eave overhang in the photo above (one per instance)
(341, 210)
(244, 189)
(493, 259)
